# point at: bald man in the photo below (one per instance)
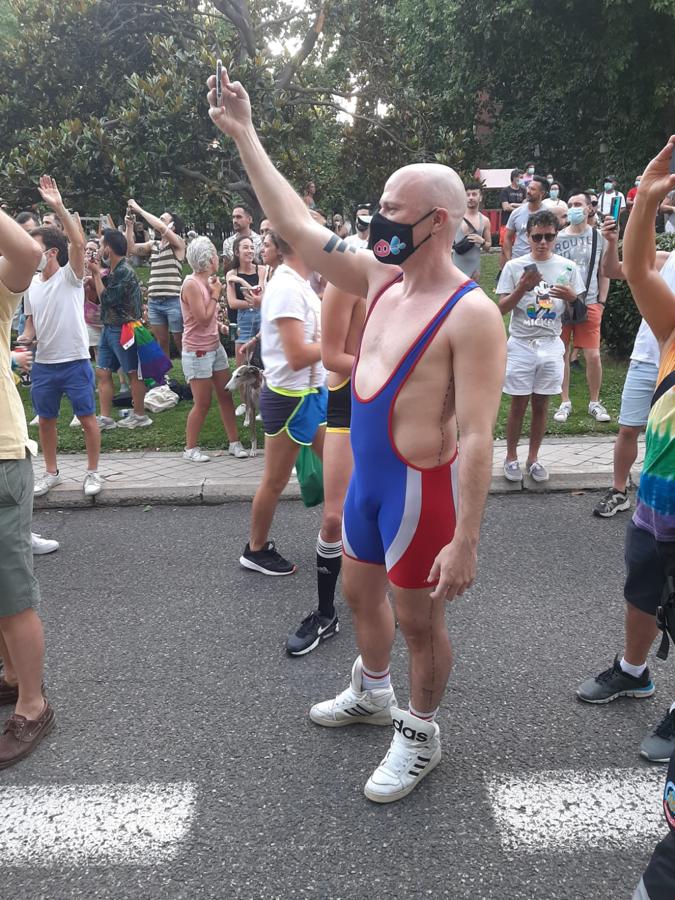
(432, 357)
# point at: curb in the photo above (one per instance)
(213, 493)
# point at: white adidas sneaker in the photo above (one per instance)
(414, 751)
(355, 706)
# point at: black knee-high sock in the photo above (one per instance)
(328, 562)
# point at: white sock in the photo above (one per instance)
(629, 669)
(427, 716)
(373, 681)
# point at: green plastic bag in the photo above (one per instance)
(310, 476)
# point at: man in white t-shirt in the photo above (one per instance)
(62, 361)
(609, 192)
(638, 388)
(535, 289)
(360, 239)
(584, 245)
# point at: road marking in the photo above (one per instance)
(565, 810)
(98, 824)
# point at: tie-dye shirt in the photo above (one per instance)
(655, 511)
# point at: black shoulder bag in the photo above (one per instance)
(465, 244)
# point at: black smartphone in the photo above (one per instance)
(219, 82)
(532, 267)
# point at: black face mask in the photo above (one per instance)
(392, 242)
(361, 225)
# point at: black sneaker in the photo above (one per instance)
(613, 683)
(314, 629)
(267, 560)
(611, 503)
(660, 744)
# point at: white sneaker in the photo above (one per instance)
(45, 483)
(562, 413)
(35, 421)
(235, 449)
(134, 421)
(194, 454)
(414, 751)
(106, 423)
(92, 484)
(599, 413)
(75, 423)
(240, 410)
(355, 706)
(42, 545)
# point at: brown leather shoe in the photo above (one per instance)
(9, 693)
(21, 736)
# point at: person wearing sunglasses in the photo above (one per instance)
(535, 289)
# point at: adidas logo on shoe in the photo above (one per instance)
(412, 734)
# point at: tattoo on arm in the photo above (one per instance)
(334, 243)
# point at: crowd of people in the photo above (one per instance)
(376, 347)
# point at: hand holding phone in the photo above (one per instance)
(615, 209)
(219, 82)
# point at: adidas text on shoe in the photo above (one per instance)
(599, 413)
(611, 503)
(414, 752)
(659, 746)
(313, 629)
(267, 560)
(354, 706)
(613, 683)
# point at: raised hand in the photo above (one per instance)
(656, 179)
(50, 192)
(233, 116)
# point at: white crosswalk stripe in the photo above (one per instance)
(102, 824)
(568, 810)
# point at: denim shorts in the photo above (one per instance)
(19, 588)
(166, 311)
(248, 325)
(203, 366)
(50, 381)
(112, 355)
(638, 389)
(645, 570)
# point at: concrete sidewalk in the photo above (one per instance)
(140, 478)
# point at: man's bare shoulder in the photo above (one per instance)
(475, 322)
(476, 302)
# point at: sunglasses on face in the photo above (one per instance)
(548, 237)
(594, 202)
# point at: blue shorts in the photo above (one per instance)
(248, 325)
(638, 390)
(299, 413)
(50, 381)
(166, 311)
(112, 355)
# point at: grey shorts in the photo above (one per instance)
(203, 364)
(19, 589)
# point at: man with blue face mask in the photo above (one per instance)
(609, 192)
(431, 361)
(584, 245)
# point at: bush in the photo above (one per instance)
(621, 318)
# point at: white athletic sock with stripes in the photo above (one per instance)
(373, 681)
(426, 716)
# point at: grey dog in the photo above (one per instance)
(249, 381)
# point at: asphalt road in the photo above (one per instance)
(166, 666)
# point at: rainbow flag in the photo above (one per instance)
(153, 363)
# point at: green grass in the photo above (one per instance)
(168, 429)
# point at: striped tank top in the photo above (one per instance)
(655, 510)
(166, 272)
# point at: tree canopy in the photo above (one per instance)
(109, 95)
